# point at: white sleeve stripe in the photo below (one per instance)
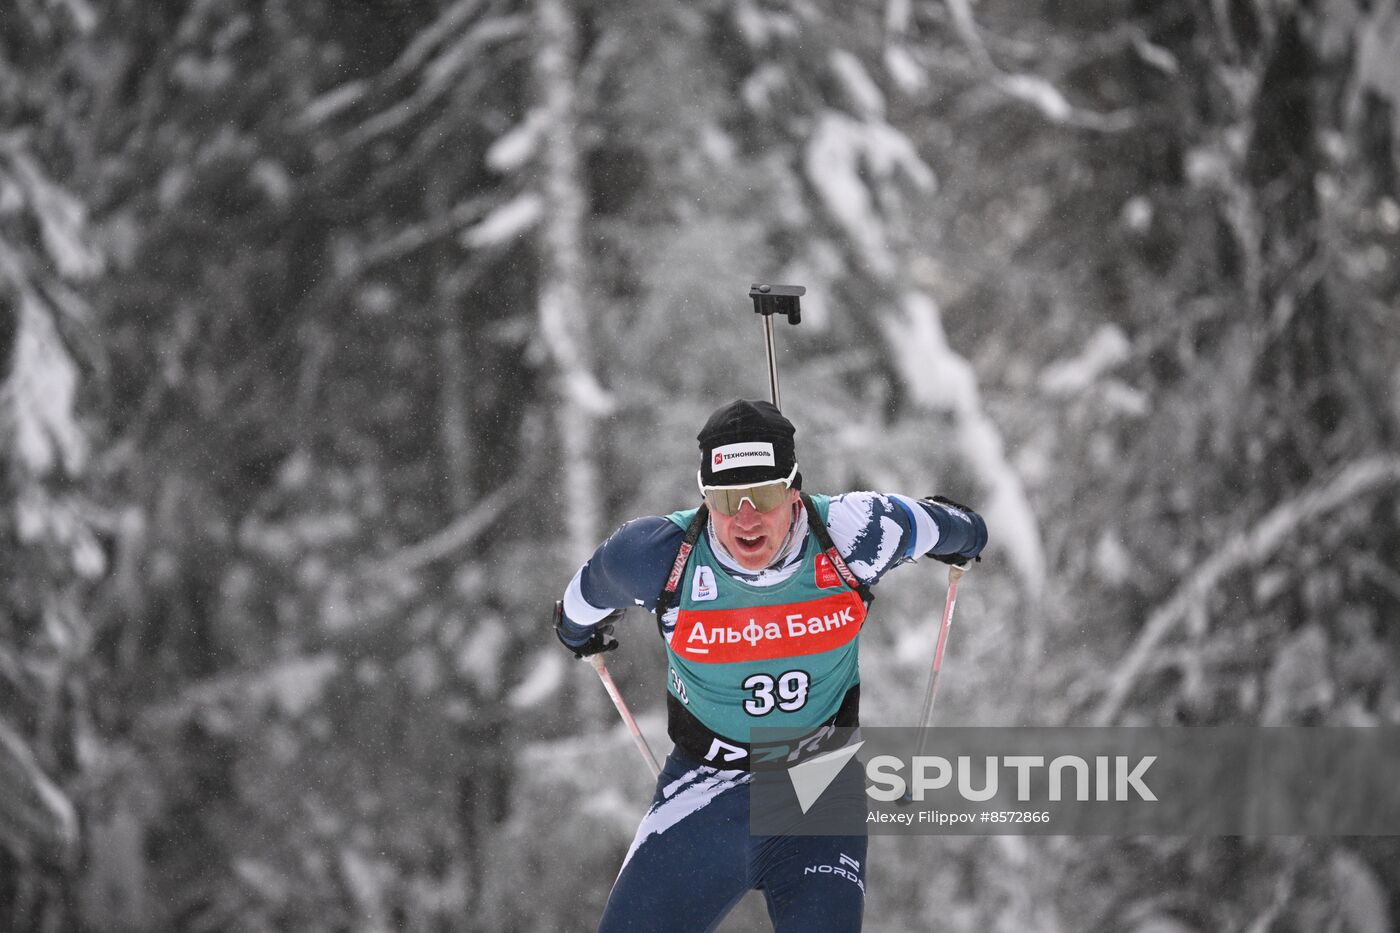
(925, 531)
(578, 609)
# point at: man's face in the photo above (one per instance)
(753, 537)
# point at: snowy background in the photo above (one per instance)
(334, 334)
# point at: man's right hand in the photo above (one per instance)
(585, 640)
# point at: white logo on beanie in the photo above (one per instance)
(732, 456)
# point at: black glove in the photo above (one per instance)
(597, 640)
(957, 560)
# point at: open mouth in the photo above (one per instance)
(750, 544)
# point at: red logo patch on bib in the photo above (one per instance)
(761, 633)
(827, 576)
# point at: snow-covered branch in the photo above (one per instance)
(415, 237)
(940, 379)
(1248, 548)
(36, 818)
(341, 97)
(437, 77)
(460, 533)
(1030, 89)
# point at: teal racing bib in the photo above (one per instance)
(783, 656)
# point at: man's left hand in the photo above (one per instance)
(979, 529)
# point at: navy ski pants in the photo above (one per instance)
(693, 859)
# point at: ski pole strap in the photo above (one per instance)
(818, 526)
(673, 582)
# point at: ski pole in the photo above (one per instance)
(954, 575)
(769, 300)
(597, 661)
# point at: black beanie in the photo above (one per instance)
(745, 443)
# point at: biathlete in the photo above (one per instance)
(760, 595)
